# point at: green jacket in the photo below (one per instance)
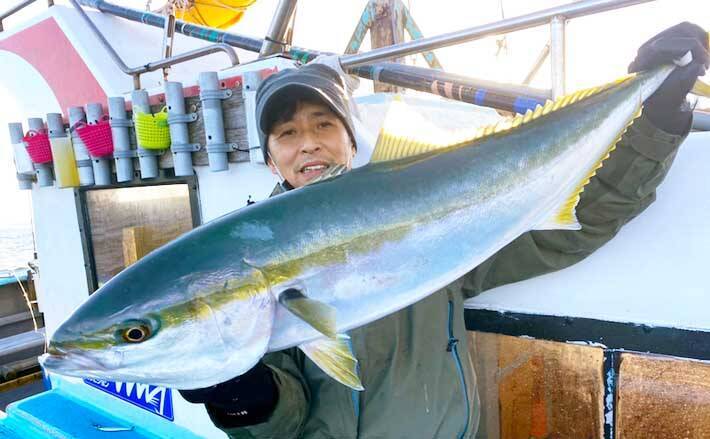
(415, 364)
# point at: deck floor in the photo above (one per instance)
(20, 392)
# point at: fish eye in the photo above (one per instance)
(136, 333)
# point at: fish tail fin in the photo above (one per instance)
(335, 357)
(565, 217)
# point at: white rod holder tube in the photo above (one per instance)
(83, 161)
(45, 177)
(179, 136)
(121, 139)
(23, 163)
(101, 165)
(147, 159)
(211, 96)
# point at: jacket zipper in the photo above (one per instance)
(451, 347)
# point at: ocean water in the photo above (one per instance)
(16, 246)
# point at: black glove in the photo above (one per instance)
(665, 108)
(244, 400)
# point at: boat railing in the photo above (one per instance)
(135, 72)
(555, 17)
(17, 8)
(274, 41)
(369, 64)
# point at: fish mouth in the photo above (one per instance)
(72, 363)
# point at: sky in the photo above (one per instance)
(599, 48)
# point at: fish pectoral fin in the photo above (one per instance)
(319, 315)
(335, 357)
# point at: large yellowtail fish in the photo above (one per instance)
(302, 268)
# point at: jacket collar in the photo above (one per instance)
(281, 188)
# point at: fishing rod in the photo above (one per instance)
(500, 96)
(506, 97)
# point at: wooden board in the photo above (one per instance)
(663, 397)
(127, 223)
(4, 387)
(538, 389)
(136, 244)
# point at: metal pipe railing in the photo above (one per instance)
(17, 8)
(191, 30)
(406, 76)
(537, 64)
(190, 55)
(274, 41)
(503, 97)
(557, 55)
(135, 72)
(573, 10)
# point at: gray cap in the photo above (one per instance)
(311, 81)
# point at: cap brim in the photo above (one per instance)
(277, 96)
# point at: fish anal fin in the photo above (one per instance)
(319, 315)
(335, 357)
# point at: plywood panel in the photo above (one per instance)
(662, 397)
(538, 389)
(484, 356)
(140, 217)
(235, 129)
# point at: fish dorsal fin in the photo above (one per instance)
(319, 315)
(565, 217)
(328, 174)
(335, 357)
(406, 134)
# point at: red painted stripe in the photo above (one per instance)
(45, 46)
